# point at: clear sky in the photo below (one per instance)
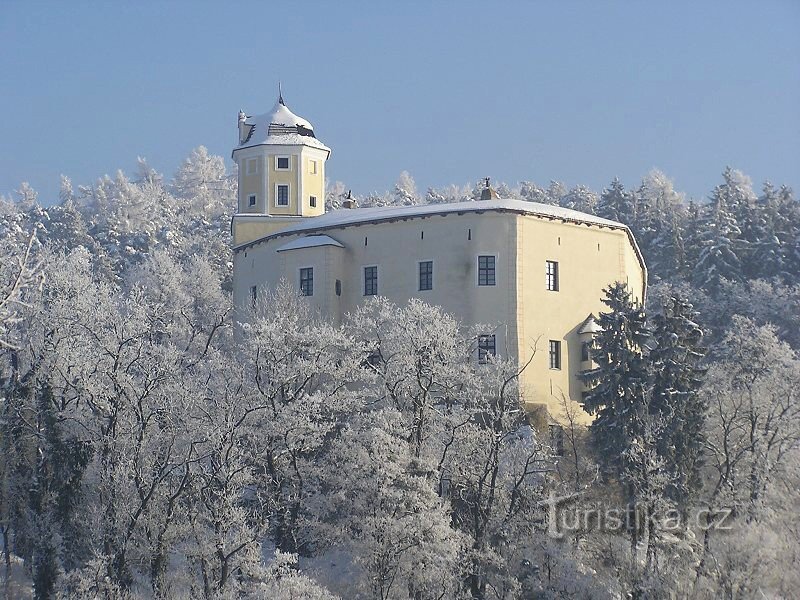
(451, 91)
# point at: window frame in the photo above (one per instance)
(420, 275)
(252, 200)
(486, 349)
(251, 166)
(312, 166)
(308, 280)
(551, 279)
(586, 351)
(364, 280)
(278, 158)
(312, 201)
(554, 355)
(288, 195)
(493, 270)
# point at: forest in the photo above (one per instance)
(154, 446)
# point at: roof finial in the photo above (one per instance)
(280, 95)
(487, 179)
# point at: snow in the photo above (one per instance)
(279, 115)
(590, 325)
(310, 241)
(345, 217)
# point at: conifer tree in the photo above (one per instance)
(621, 379)
(616, 204)
(719, 233)
(675, 360)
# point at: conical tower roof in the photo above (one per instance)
(279, 126)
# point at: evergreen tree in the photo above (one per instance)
(677, 377)
(616, 204)
(718, 258)
(621, 380)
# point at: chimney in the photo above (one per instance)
(349, 201)
(488, 193)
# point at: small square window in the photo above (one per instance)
(307, 281)
(487, 346)
(551, 275)
(312, 201)
(312, 167)
(486, 270)
(370, 281)
(252, 166)
(555, 354)
(282, 198)
(251, 200)
(425, 275)
(282, 163)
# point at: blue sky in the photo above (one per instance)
(574, 91)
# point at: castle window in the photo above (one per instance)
(281, 163)
(252, 166)
(585, 354)
(312, 167)
(486, 272)
(338, 287)
(555, 354)
(307, 281)
(251, 200)
(282, 195)
(312, 201)
(426, 275)
(487, 345)
(551, 275)
(371, 281)
(253, 295)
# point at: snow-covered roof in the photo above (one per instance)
(355, 216)
(310, 241)
(590, 325)
(279, 126)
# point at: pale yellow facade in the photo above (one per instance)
(281, 173)
(518, 309)
(273, 242)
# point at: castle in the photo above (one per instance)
(535, 271)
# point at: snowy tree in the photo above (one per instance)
(616, 204)
(620, 384)
(383, 510)
(717, 258)
(335, 193)
(405, 190)
(529, 191)
(675, 360)
(580, 198)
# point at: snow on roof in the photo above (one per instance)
(310, 241)
(590, 325)
(280, 126)
(354, 216)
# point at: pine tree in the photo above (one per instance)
(677, 377)
(719, 232)
(615, 203)
(621, 379)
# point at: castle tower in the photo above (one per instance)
(281, 172)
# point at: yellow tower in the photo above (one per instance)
(281, 172)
